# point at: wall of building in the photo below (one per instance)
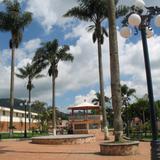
(18, 120)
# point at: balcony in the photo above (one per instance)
(85, 117)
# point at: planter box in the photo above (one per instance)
(119, 149)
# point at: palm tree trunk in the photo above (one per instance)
(101, 82)
(115, 74)
(53, 104)
(29, 102)
(12, 91)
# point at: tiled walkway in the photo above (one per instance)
(24, 150)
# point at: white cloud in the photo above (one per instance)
(88, 97)
(83, 72)
(49, 12)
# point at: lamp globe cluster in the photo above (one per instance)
(135, 20)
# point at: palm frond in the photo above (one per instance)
(79, 13)
(91, 28)
(104, 31)
(122, 11)
(94, 37)
(14, 20)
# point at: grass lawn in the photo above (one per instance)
(21, 135)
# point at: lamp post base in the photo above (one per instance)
(155, 150)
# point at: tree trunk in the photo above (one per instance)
(29, 102)
(53, 104)
(101, 83)
(115, 74)
(12, 91)
(144, 119)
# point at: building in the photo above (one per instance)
(18, 119)
(85, 118)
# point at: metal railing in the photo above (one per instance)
(85, 117)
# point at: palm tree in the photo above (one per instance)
(49, 55)
(29, 72)
(14, 21)
(97, 100)
(94, 11)
(126, 94)
(115, 74)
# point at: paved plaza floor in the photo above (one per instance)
(24, 150)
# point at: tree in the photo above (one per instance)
(49, 55)
(126, 94)
(13, 20)
(140, 109)
(43, 114)
(97, 100)
(115, 74)
(29, 72)
(94, 11)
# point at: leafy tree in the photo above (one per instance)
(43, 114)
(97, 101)
(13, 20)
(49, 55)
(157, 104)
(29, 72)
(126, 94)
(140, 109)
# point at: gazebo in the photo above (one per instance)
(85, 118)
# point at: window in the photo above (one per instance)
(80, 126)
(4, 113)
(16, 114)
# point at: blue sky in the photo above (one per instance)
(78, 80)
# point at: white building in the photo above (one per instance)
(18, 119)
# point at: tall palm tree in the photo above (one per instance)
(94, 11)
(49, 55)
(29, 72)
(13, 20)
(115, 74)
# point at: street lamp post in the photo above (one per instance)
(24, 103)
(141, 21)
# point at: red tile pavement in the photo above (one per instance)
(24, 150)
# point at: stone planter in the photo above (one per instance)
(65, 139)
(119, 149)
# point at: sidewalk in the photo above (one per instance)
(24, 150)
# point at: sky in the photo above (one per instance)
(77, 81)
